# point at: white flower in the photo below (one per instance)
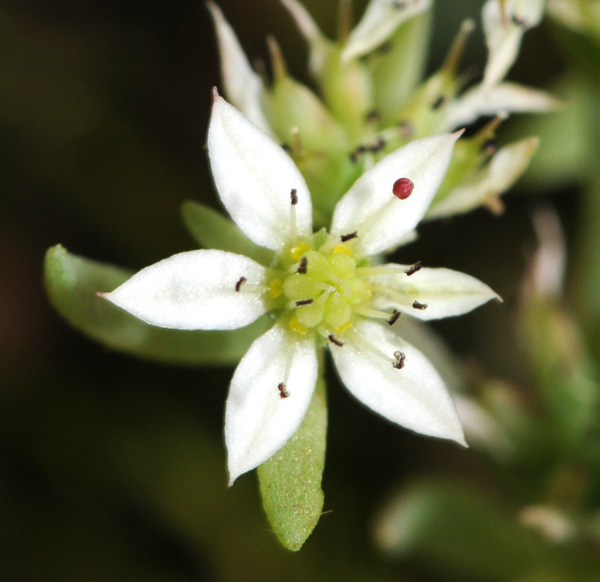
(319, 288)
(505, 23)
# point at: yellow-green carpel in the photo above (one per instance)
(320, 289)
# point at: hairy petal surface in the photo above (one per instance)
(414, 397)
(379, 22)
(370, 207)
(254, 178)
(243, 87)
(445, 292)
(258, 421)
(195, 290)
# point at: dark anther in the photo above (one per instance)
(518, 21)
(399, 4)
(414, 268)
(385, 48)
(438, 102)
(286, 147)
(373, 116)
(335, 340)
(347, 237)
(283, 392)
(303, 266)
(399, 359)
(418, 305)
(406, 129)
(294, 196)
(304, 302)
(378, 145)
(239, 284)
(489, 147)
(394, 318)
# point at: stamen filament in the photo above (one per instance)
(364, 272)
(370, 312)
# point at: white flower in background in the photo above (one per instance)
(320, 289)
(505, 23)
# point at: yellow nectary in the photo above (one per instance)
(320, 288)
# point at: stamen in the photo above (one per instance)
(399, 360)
(334, 340)
(370, 312)
(346, 237)
(489, 147)
(407, 129)
(282, 386)
(438, 102)
(305, 302)
(303, 266)
(420, 306)
(373, 116)
(403, 188)
(239, 284)
(367, 347)
(394, 318)
(363, 272)
(414, 268)
(294, 201)
(283, 392)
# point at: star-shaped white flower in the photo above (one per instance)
(319, 288)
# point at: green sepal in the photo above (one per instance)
(348, 92)
(72, 283)
(290, 481)
(212, 230)
(296, 114)
(398, 66)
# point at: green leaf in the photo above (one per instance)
(457, 532)
(290, 481)
(72, 283)
(212, 230)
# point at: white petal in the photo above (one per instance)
(254, 178)
(504, 31)
(445, 292)
(414, 397)
(379, 22)
(195, 290)
(506, 97)
(243, 87)
(319, 47)
(258, 421)
(370, 207)
(503, 170)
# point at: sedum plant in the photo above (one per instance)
(318, 187)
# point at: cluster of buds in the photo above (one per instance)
(372, 99)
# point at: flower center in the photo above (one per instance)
(320, 289)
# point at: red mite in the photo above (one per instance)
(402, 188)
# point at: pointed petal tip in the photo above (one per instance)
(456, 134)
(215, 95)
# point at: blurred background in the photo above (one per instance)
(112, 468)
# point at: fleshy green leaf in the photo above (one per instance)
(212, 230)
(72, 283)
(290, 481)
